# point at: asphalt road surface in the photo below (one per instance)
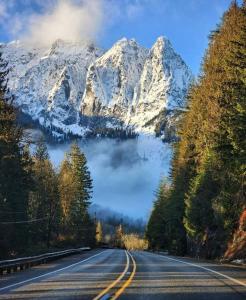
(118, 274)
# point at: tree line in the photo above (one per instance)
(199, 210)
(40, 207)
(120, 238)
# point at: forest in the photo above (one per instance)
(40, 207)
(201, 209)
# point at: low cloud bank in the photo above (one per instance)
(125, 174)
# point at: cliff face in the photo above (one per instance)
(237, 247)
(63, 87)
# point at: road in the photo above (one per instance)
(116, 274)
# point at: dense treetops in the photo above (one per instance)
(207, 193)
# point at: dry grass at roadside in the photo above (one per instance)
(134, 242)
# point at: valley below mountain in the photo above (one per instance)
(126, 173)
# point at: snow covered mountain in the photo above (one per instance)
(162, 88)
(75, 87)
(111, 80)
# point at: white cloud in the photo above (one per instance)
(42, 22)
(3, 12)
(66, 20)
(16, 25)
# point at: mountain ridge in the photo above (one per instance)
(127, 86)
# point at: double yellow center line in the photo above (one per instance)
(114, 283)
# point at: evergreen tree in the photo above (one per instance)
(44, 201)
(99, 233)
(66, 191)
(199, 217)
(81, 175)
(119, 237)
(15, 177)
(230, 139)
(218, 186)
(157, 224)
(82, 193)
(208, 169)
(75, 187)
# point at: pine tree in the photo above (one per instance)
(215, 196)
(156, 230)
(44, 201)
(15, 177)
(199, 217)
(119, 236)
(222, 90)
(81, 175)
(75, 187)
(66, 191)
(230, 139)
(208, 169)
(99, 233)
(82, 193)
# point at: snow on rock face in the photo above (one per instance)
(111, 80)
(48, 83)
(128, 82)
(162, 87)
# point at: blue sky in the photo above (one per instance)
(187, 23)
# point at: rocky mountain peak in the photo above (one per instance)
(68, 83)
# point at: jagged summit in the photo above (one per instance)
(163, 47)
(162, 40)
(61, 86)
(111, 79)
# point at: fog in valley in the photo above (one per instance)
(125, 173)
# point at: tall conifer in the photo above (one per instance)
(15, 178)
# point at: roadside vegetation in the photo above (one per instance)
(120, 239)
(40, 207)
(199, 212)
(134, 242)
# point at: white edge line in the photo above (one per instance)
(207, 269)
(47, 274)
